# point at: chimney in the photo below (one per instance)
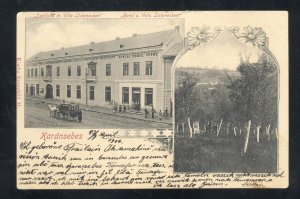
(92, 42)
(117, 38)
(177, 28)
(134, 35)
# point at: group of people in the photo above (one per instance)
(119, 109)
(153, 111)
(122, 109)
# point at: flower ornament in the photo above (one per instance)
(253, 36)
(199, 36)
(250, 36)
(218, 29)
(234, 29)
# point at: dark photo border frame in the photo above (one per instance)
(9, 10)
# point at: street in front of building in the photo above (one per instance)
(37, 115)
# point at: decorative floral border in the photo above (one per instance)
(144, 133)
(255, 37)
(160, 136)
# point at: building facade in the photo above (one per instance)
(133, 71)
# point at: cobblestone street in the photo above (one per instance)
(37, 115)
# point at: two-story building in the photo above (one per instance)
(134, 70)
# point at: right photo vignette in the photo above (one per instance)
(226, 96)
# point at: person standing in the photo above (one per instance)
(167, 112)
(146, 112)
(153, 112)
(160, 115)
(115, 109)
(124, 109)
(80, 116)
(120, 109)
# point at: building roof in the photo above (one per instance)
(134, 42)
(174, 50)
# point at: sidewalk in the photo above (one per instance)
(108, 111)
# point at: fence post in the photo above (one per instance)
(190, 128)
(218, 131)
(268, 132)
(257, 134)
(247, 137)
(234, 131)
(227, 128)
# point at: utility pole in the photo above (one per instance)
(86, 87)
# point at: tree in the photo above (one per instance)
(255, 94)
(184, 96)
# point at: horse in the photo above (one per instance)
(52, 109)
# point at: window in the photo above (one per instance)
(148, 96)
(136, 96)
(92, 92)
(107, 93)
(42, 72)
(28, 72)
(35, 72)
(32, 72)
(78, 89)
(26, 88)
(125, 69)
(92, 68)
(78, 70)
(57, 71)
(58, 91)
(68, 91)
(37, 87)
(136, 68)
(125, 95)
(93, 71)
(108, 70)
(148, 67)
(69, 71)
(48, 71)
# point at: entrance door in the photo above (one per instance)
(32, 90)
(136, 98)
(49, 91)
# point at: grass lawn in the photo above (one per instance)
(223, 153)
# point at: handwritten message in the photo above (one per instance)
(97, 159)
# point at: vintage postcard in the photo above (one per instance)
(152, 100)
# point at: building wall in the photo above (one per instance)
(168, 62)
(157, 81)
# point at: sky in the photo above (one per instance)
(224, 52)
(51, 34)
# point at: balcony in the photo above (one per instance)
(90, 78)
(47, 78)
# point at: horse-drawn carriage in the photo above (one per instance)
(70, 112)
